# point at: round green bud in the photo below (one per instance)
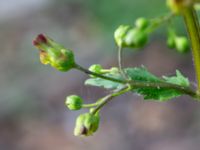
(182, 44)
(86, 124)
(142, 23)
(120, 33)
(171, 38)
(96, 68)
(136, 38)
(74, 102)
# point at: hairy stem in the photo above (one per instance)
(192, 24)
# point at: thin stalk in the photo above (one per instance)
(91, 105)
(120, 63)
(192, 24)
(159, 21)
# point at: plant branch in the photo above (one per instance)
(192, 24)
(103, 101)
(138, 84)
(158, 21)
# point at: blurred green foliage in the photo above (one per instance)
(111, 13)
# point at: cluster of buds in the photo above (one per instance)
(132, 37)
(62, 59)
(54, 54)
(87, 123)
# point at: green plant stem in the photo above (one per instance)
(91, 105)
(137, 84)
(103, 101)
(192, 24)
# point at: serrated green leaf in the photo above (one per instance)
(179, 79)
(105, 83)
(161, 94)
(143, 75)
(158, 93)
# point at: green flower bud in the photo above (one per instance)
(120, 33)
(136, 38)
(86, 124)
(171, 42)
(54, 54)
(171, 38)
(74, 102)
(142, 23)
(182, 44)
(96, 68)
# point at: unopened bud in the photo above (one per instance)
(86, 124)
(120, 34)
(54, 54)
(182, 44)
(136, 38)
(74, 102)
(142, 23)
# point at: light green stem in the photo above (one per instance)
(158, 22)
(103, 101)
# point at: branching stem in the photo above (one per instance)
(109, 97)
(137, 84)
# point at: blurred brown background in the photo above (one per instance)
(32, 111)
